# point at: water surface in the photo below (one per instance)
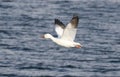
(24, 54)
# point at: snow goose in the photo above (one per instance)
(66, 35)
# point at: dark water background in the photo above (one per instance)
(24, 54)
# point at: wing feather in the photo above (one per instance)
(70, 30)
(59, 27)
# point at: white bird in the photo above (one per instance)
(66, 35)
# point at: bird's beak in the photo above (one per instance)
(42, 36)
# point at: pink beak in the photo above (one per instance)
(42, 36)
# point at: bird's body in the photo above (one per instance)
(66, 35)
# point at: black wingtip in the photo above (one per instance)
(75, 21)
(58, 22)
(75, 17)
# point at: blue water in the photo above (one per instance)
(24, 54)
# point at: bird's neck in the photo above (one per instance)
(53, 38)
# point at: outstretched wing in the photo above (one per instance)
(59, 27)
(70, 30)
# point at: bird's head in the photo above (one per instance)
(47, 36)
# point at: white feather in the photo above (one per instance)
(59, 30)
(69, 33)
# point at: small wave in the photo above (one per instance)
(4, 45)
(28, 18)
(5, 32)
(35, 67)
(19, 48)
(40, 67)
(5, 6)
(69, 76)
(10, 75)
(7, 0)
(68, 66)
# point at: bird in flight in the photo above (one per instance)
(66, 34)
